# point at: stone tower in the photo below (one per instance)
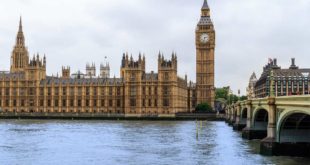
(251, 87)
(167, 69)
(65, 72)
(132, 72)
(90, 70)
(36, 68)
(168, 80)
(105, 70)
(19, 57)
(205, 44)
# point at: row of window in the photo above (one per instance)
(300, 78)
(149, 90)
(65, 111)
(282, 90)
(64, 102)
(56, 91)
(79, 91)
(133, 102)
(149, 103)
(87, 102)
(19, 83)
(133, 91)
(84, 111)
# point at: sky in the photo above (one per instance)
(74, 32)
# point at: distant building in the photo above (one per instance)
(90, 70)
(105, 70)
(291, 81)
(251, 87)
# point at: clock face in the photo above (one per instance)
(204, 38)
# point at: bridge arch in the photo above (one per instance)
(294, 127)
(244, 115)
(234, 113)
(260, 119)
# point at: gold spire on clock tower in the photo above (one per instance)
(205, 45)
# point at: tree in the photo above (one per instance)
(236, 98)
(203, 107)
(222, 93)
(242, 98)
(232, 99)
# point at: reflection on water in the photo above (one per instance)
(128, 142)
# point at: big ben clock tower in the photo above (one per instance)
(205, 44)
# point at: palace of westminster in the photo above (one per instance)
(26, 88)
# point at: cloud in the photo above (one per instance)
(74, 32)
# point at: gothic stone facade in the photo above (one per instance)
(286, 82)
(205, 45)
(26, 87)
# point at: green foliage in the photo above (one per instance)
(221, 93)
(221, 100)
(235, 98)
(242, 98)
(204, 107)
(232, 99)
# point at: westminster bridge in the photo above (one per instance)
(283, 123)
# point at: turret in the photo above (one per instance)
(123, 61)
(131, 63)
(44, 61)
(90, 70)
(133, 69)
(36, 62)
(65, 72)
(105, 70)
(167, 69)
(167, 64)
(36, 68)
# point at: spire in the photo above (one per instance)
(205, 5)
(205, 14)
(20, 29)
(253, 76)
(20, 40)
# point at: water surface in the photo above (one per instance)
(128, 142)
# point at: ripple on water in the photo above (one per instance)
(128, 142)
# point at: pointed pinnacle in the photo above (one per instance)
(20, 24)
(205, 5)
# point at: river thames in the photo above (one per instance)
(128, 142)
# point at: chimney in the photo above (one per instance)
(293, 66)
(275, 62)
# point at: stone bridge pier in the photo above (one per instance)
(231, 119)
(241, 115)
(257, 121)
(228, 116)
